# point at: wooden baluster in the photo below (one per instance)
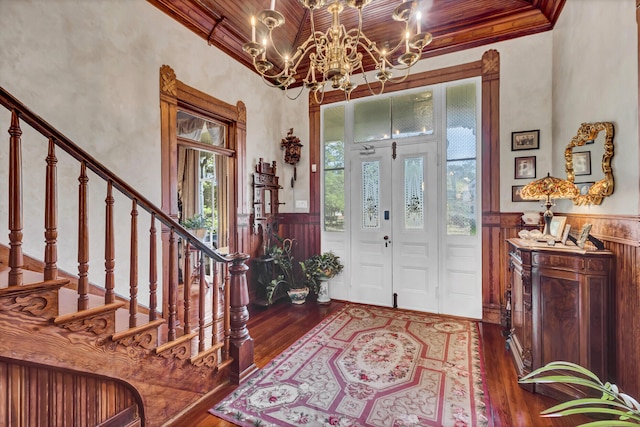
(109, 251)
(227, 307)
(133, 266)
(186, 285)
(202, 293)
(83, 240)
(241, 343)
(153, 270)
(173, 286)
(51, 216)
(215, 289)
(16, 261)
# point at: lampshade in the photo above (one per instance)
(548, 189)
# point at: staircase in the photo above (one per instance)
(78, 350)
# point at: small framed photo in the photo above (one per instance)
(515, 194)
(582, 163)
(556, 228)
(565, 234)
(525, 167)
(584, 235)
(525, 140)
(584, 187)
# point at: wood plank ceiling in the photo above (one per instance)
(454, 24)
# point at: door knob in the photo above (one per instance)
(386, 237)
(387, 242)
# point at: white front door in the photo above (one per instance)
(394, 252)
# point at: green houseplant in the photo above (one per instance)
(317, 270)
(198, 223)
(283, 260)
(623, 409)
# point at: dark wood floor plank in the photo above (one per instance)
(276, 328)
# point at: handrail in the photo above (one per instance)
(39, 124)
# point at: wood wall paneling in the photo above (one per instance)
(42, 395)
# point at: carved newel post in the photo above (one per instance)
(240, 342)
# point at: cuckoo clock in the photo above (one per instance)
(293, 149)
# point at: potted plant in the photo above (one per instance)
(199, 224)
(317, 270)
(283, 260)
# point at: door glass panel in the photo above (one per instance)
(372, 120)
(201, 179)
(413, 193)
(413, 114)
(201, 130)
(461, 160)
(371, 194)
(334, 193)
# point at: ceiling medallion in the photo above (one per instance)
(337, 54)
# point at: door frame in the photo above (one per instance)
(488, 68)
(175, 94)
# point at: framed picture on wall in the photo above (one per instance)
(515, 194)
(582, 163)
(525, 167)
(525, 140)
(584, 187)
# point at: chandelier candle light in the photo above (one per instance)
(335, 55)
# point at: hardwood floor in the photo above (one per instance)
(277, 327)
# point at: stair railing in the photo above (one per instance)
(229, 271)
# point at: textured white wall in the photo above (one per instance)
(91, 69)
(595, 78)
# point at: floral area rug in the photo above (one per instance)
(367, 366)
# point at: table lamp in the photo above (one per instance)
(548, 189)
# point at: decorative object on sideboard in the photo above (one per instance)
(334, 56)
(292, 153)
(531, 218)
(593, 141)
(548, 189)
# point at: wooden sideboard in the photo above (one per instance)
(558, 308)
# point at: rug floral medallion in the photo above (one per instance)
(367, 366)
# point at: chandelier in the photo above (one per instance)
(335, 55)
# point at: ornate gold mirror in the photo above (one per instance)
(594, 141)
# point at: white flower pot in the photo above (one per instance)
(323, 293)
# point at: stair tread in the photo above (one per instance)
(28, 276)
(68, 303)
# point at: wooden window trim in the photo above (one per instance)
(175, 95)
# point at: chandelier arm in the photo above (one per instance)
(371, 52)
(403, 78)
(364, 76)
(301, 53)
(275, 48)
(265, 75)
(286, 93)
(269, 83)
